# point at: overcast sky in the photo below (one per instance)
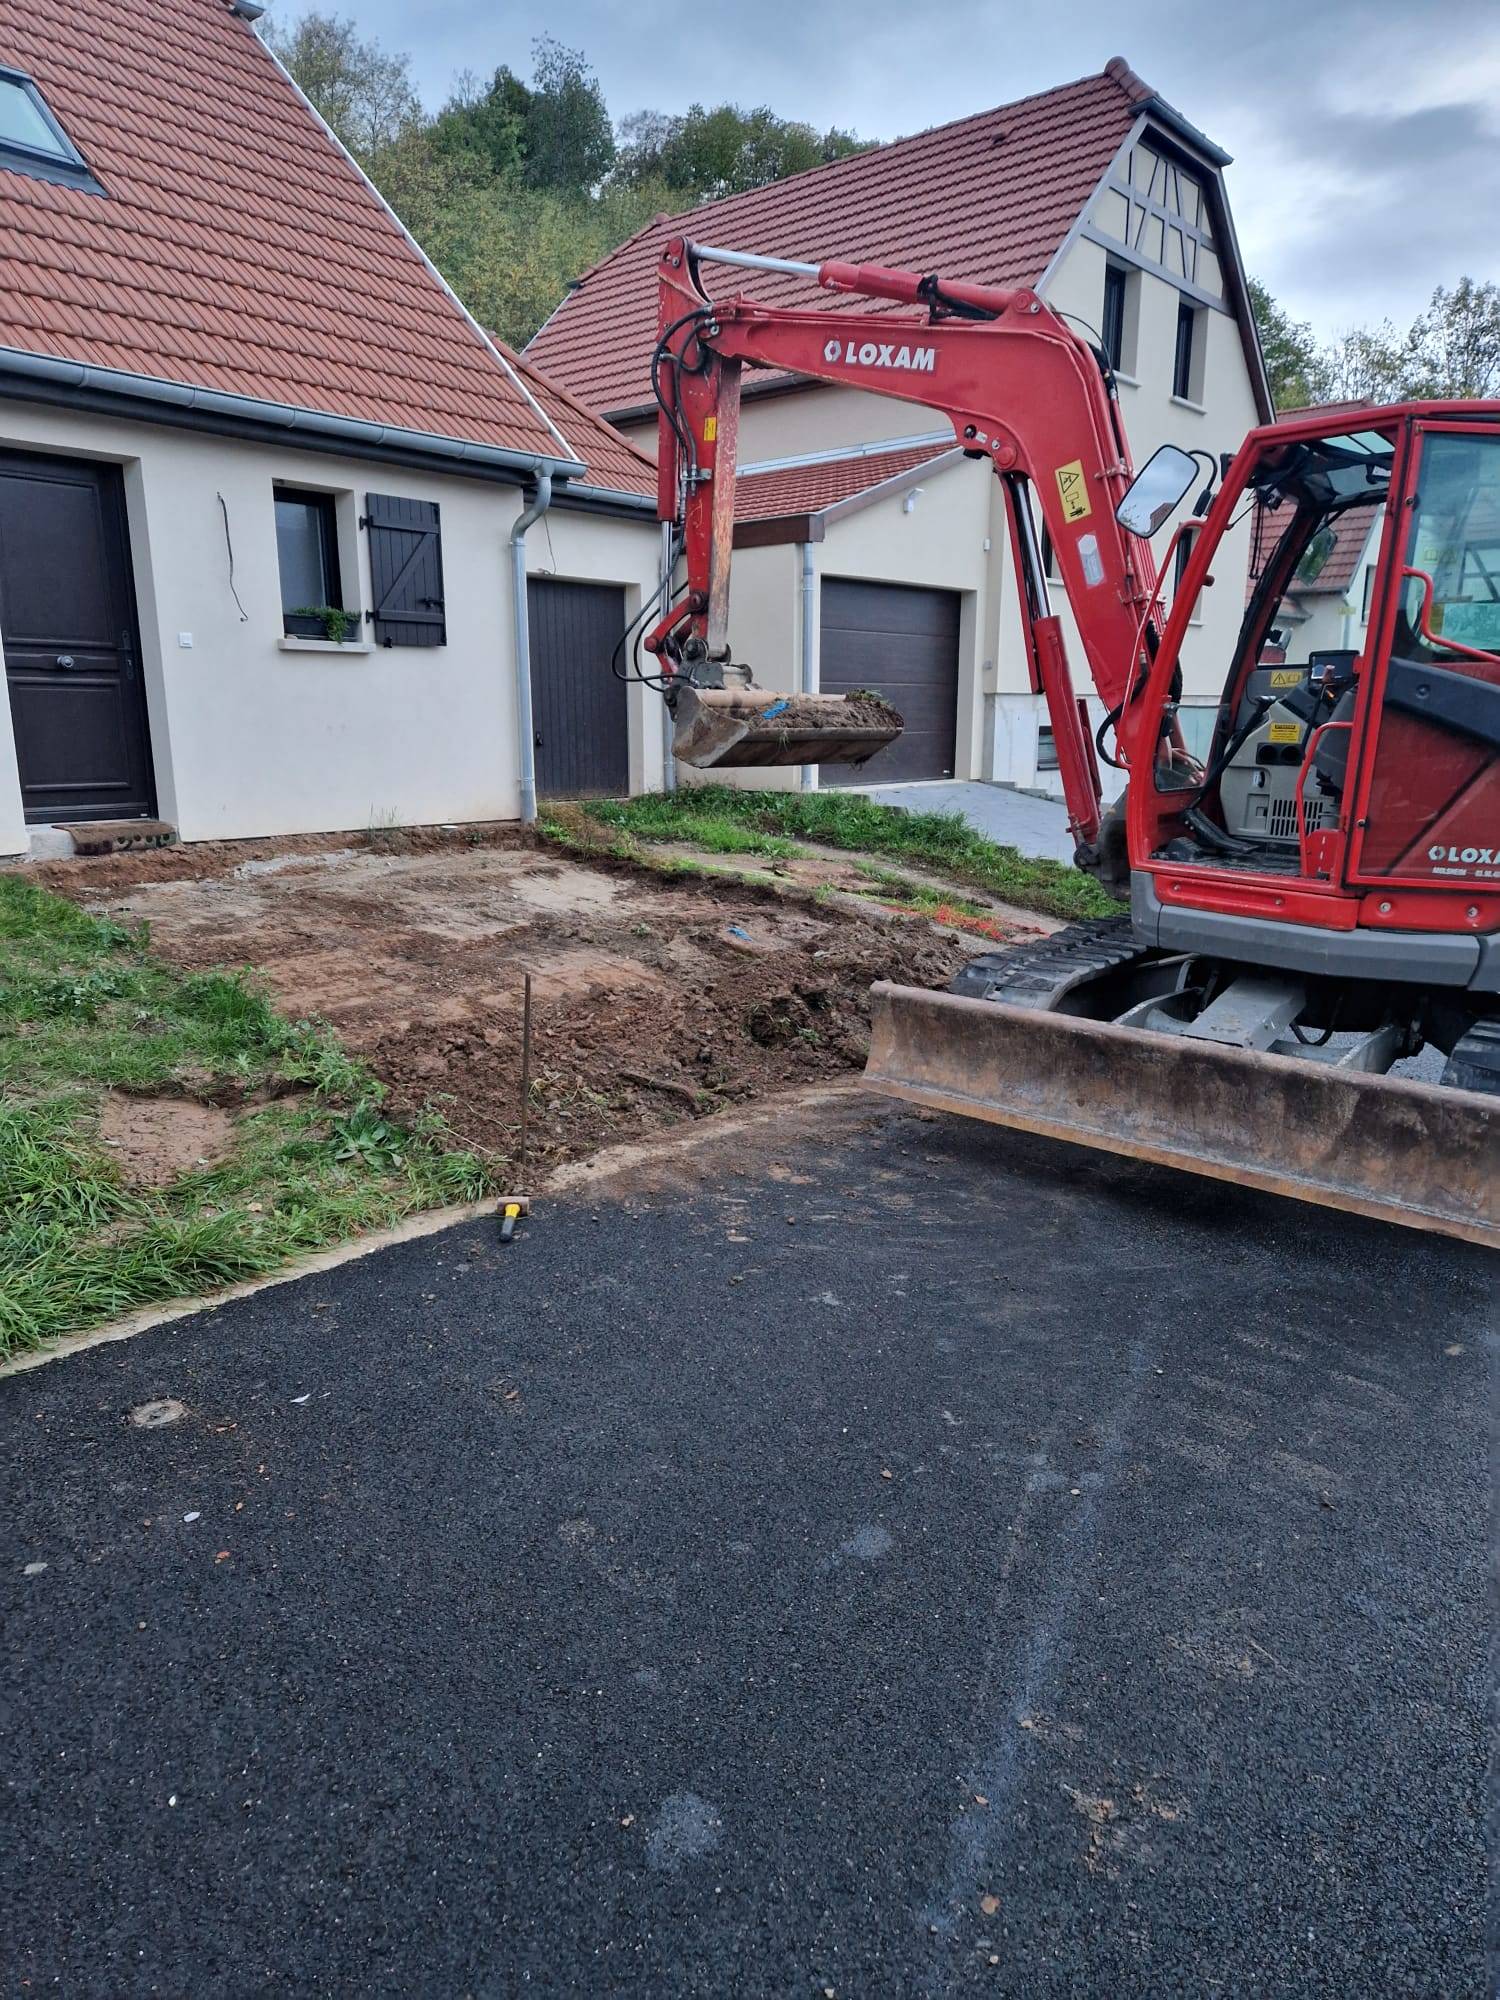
(1366, 133)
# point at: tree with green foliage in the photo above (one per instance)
(364, 93)
(1295, 366)
(1450, 349)
(1368, 364)
(568, 140)
(484, 121)
(709, 152)
(1454, 347)
(553, 132)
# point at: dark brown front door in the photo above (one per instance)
(903, 643)
(578, 702)
(72, 661)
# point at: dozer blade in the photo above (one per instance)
(1412, 1153)
(715, 728)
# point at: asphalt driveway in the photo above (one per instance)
(874, 1556)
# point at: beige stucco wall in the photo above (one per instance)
(933, 544)
(248, 738)
(1154, 416)
(789, 423)
(765, 634)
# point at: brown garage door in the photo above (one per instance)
(902, 643)
(578, 705)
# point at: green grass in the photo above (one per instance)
(84, 1007)
(717, 816)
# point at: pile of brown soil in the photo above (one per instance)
(653, 1000)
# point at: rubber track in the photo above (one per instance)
(1038, 975)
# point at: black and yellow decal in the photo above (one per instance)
(1073, 491)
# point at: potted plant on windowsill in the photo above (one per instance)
(323, 621)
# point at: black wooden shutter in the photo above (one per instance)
(406, 571)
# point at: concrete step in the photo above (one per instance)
(108, 836)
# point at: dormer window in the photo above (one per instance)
(32, 141)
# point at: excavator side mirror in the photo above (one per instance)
(1157, 491)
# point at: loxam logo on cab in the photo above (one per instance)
(1459, 860)
(882, 354)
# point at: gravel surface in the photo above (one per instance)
(886, 1558)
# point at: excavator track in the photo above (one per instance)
(1038, 975)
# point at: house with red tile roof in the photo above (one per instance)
(872, 554)
(1326, 606)
(288, 543)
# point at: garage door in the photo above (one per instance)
(902, 643)
(578, 706)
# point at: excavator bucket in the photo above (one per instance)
(1425, 1156)
(715, 728)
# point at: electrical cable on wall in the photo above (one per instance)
(229, 545)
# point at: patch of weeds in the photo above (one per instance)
(943, 842)
(85, 1008)
(364, 1136)
(385, 829)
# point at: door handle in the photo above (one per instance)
(63, 660)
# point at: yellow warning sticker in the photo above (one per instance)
(1284, 732)
(1287, 677)
(710, 429)
(1073, 489)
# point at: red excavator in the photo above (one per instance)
(1314, 898)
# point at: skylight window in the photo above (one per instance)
(32, 141)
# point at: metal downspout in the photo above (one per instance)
(806, 676)
(525, 728)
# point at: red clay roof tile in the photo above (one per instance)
(807, 489)
(989, 198)
(1352, 534)
(235, 247)
(614, 462)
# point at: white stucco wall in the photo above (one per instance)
(940, 545)
(248, 738)
(933, 544)
(765, 634)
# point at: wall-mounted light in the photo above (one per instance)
(909, 504)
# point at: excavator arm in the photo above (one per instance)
(1020, 389)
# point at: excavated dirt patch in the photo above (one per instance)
(155, 1139)
(653, 1000)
